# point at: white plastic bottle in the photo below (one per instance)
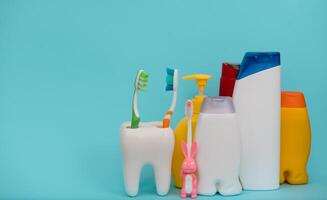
(218, 156)
(257, 103)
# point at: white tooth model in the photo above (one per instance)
(257, 103)
(148, 144)
(219, 147)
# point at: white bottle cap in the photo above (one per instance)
(217, 105)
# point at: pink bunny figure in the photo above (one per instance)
(188, 171)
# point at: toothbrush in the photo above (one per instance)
(141, 82)
(189, 167)
(172, 85)
(189, 113)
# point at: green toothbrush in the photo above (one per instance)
(141, 82)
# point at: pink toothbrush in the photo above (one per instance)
(188, 170)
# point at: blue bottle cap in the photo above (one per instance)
(254, 62)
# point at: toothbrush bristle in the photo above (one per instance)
(143, 80)
(189, 104)
(170, 71)
(170, 79)
(188, 108)
(169, 87)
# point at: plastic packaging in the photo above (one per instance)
(219, 147)
(257, 103)
(295, 138)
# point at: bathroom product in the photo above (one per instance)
(172, 85)
(148, 144)
(219, 147)
(141, 82)
(189, 149)
(295, 138)
(181, 128)
(257, 104)
(229, 74)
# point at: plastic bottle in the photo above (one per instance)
(257, 103)
(219, 147)
(181, 128)
(229, 74)
(295, 138)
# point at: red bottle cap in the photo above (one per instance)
(228, 77)
(229, 70)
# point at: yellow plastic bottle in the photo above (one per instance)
(181, 129)
(295, 138)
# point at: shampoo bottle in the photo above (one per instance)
(295, 138)
(181, 128)
(219, 147)
(257, 103)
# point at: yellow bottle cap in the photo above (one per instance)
(200, 79)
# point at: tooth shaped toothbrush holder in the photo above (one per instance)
(148, 144)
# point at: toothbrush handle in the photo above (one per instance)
(165, 123)
(135, 120)
(189, 134)
(166, 120)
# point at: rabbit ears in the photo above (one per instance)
(194, 148)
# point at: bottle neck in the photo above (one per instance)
(197, 102)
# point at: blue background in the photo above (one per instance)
(67, 70)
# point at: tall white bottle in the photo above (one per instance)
(257, 103)
(219, 147)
